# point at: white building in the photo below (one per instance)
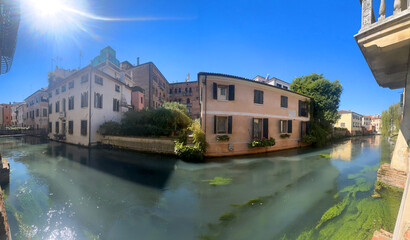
(17, 111)
(80, 103)
(273, 81)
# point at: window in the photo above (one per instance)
(170, 91)
(284, 101)
(175, 90)
(260, 128)
(50, 127)
(57, 127)
(70, 127)
(190, 90)
(50, 94)
(84, 78)
(142, 100)
(84, 99)
(57, 91)
(84, 127)
(98, 80)
(223, 92)
(222, 125)
(44, 112)
(279, 85)
(50, 108)
(71, 103)
(71, 85)
(257, 128)
(258, 97)
(179, 90)
(57, 106)
(303, 109)
(188, 101)
(63, 88)
(285, 87)
(304, 128)
(64, 104)
(116, 105)
(117, 88)
(98, 100)
(37, 112)
(285, 126)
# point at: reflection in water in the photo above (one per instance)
(60, 191)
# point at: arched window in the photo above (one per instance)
(190, 90)
(188, 101)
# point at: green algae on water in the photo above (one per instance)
(217, 181)
(327, 156)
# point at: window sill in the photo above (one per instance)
(258, 104)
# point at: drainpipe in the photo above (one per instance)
(89, 107)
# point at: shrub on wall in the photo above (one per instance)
(110, 128)
(169, 120)
(188, 153)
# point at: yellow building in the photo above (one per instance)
(351, 121)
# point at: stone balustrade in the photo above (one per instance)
(368, 17)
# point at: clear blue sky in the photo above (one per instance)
(285, 39)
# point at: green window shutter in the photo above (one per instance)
(230, 125)
(289, 126)
(231, 92)
(265, 128)
(214, 124)
(215, 90)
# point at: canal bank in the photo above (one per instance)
(67, 192)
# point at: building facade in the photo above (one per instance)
(81, 103)
(186, 93)
(377, 123)
(37, 110)
(16, 114)
(5, 115)
(149, 78)
(242, 110)
(351, 121)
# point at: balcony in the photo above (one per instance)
(62, 115)
(385, 42)
(187, 94)
(189, 104)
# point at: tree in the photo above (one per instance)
(391, 120)
(324, 103)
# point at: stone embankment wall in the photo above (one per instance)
(391, 176)
(4, 178)
(152, 145)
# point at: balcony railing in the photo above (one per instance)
(368, 16)
(62, 115)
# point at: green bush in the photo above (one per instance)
(188, 153)
(262, 143)
(285, 136)
(170, 120)
(199, 138)
(110, 128)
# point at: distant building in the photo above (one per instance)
(80, 103)
(21, 115)
(16, 112)
(367, 124)
(273, 81)
(149, 78)
(241, 110)
(37, 110)
(352, 121)
(377, 123)
(186, 93)
(137, 98)
(5, 115)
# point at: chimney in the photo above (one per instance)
(138, 61)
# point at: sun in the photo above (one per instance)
(47, 8)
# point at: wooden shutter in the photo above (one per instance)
(255, 100)
(280, 126)
(231, 92)
(215, 90)
(307, 127)
(261, 97)
(300, 108)
(230, 125)
(113, 104)
(214, 124)
(289, 126)
(253, 127)
(265, 128)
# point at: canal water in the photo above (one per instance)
(60, 191)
